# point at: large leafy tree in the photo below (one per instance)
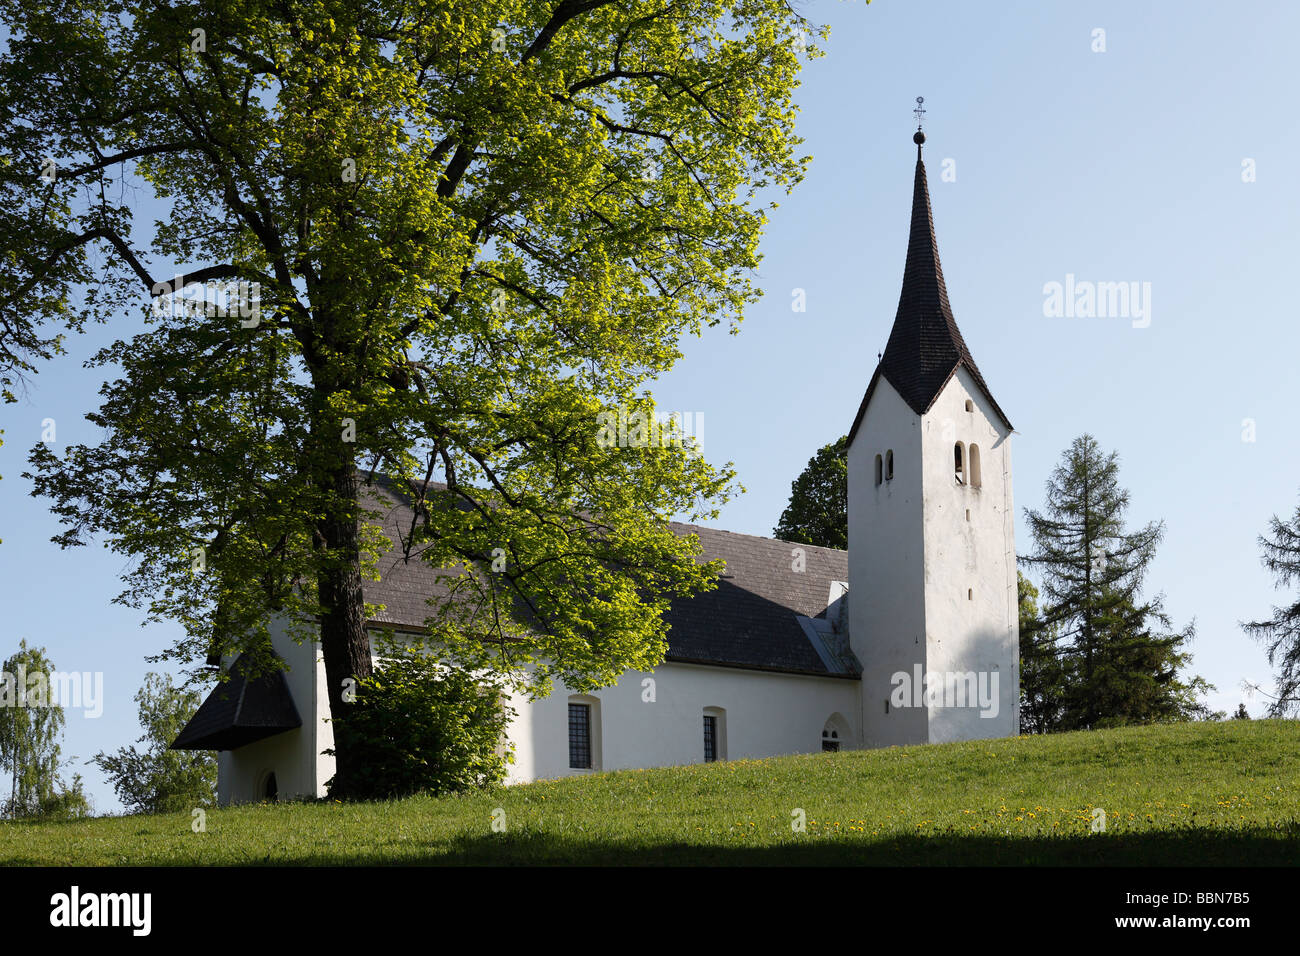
(1118, 657)
(1280, 634)
(471, 228)
(158, 779)
(818, 512)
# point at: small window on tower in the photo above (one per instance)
(880, 469)
(970, 406)
(959, 469)
(975, 480)
(970, 594)
(889, 465)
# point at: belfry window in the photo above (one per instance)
(959, 463)
(974, 466)
(889, 465)
(880, 470)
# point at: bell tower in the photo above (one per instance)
(932, 560)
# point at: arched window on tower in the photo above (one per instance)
(959, 463)
(889, 465)
(880, 470)
(975, 480)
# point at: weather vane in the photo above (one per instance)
(919, 112)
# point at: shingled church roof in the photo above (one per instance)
(925, 347)
(751, 620)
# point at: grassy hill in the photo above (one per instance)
(1195, 794)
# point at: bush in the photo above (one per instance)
(424, 729)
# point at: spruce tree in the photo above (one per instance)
(1119, 658)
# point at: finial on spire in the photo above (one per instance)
(918, 137)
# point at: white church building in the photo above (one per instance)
(910, 636)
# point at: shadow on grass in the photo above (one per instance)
(1188, 847)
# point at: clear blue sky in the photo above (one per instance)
(1117, 166)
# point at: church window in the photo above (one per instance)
(580, 736)
(889, 465)
(835, 733)
(975, 466)
(968, 514)
(880, 470)
(715, 734)
(970, 594)
(970, 406)
(270, 789)
(959, 463)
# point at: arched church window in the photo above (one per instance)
(835, 733)
(889, 465)
(880, 470)
(975, 466)
(970, 406)
(959, 463)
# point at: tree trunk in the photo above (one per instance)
(345, 644)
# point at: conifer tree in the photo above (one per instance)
(1280, 634)
(1120, 662)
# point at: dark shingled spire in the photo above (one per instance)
(925, 346)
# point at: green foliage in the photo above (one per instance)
(426, 729)
(818, 512)
(31, 725)
(1117, 659)
(474, 227)
(1041, 674)
(65, 803)
(1280, 634)
(159, 780)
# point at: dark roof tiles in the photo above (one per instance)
(750, 620)
(925, 347)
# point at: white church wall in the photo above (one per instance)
(241, 773)
(970, 569)
(886, 565)
(763, 715)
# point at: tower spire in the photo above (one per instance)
(925, 346)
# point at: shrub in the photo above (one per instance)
(426, 729)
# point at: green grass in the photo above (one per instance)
(1197, 794)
